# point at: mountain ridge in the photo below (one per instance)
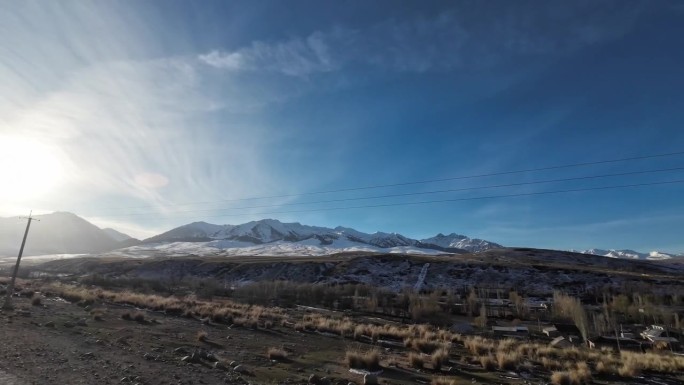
(629, 254)
(58, 233)
(267, 231)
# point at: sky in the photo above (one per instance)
(144, 116)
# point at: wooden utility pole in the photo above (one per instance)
(10, 288)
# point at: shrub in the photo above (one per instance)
(488, 362)
(97, 314)
(416, 360)
(561, 378)
(35, 300)
(369, 360)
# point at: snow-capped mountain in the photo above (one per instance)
(458, 241)
(629, 254)
(271, 231)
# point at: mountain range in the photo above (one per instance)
(67, 233)
(629, 254)
(271, 231)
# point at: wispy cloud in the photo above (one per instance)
(446, 41)
(295, 57)
(129, 130)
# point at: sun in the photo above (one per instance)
(29, 169)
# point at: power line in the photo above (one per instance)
(453, 199)
(463, 177)
(412, 193)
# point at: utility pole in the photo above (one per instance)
(10, 288)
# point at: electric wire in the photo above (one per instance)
(410, 193)
(539, 193)
(399, 184)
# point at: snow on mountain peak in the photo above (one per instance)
(457, 241)
(628, 254)
(267, 231)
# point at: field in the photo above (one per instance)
(82, 328)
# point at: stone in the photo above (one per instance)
(314, 379)
(370, 379)
(49, 324)
(240, 369)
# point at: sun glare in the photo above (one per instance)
(28, 169)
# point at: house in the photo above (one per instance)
(511, 331)
(656, 334)
(615, 343)
(569, 331)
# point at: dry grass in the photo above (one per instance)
(478, 345)
(424, 345)
(276, 354)
(439, 358)
(220, 312)
(578, 375)
(507, 360)
(369, 360)
(443, 381)
(202, 336)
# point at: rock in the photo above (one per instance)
(220, 365)
(81, 322)
(370, 379)
(314, 379)
(24, 313)
(149, 356)
(49, 324)
(69, 324)
(180, 351)
(211, 358)
(233, 364)
(240, 369)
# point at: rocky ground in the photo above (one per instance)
(61, 343)
(58, 342)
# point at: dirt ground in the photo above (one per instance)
(60, 343)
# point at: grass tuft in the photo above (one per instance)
(369, 360)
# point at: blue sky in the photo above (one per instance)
(148, 115)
